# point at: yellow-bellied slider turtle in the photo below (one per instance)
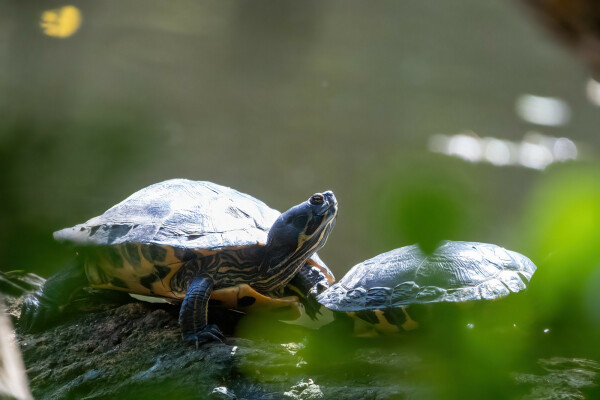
(182, 239)
(379, 290)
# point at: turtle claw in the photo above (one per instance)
(37, 313)
(211, 333)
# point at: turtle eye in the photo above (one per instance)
(316, 199)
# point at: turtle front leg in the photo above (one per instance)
(193, 315)
(311, 280)
(42, 308)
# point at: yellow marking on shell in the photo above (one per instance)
(362, 328)
(163, 286)
(410, 323)
(383, 325)
(129, 275)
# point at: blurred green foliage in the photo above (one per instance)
(424, 201)
(59, 174)
(561, 233)
(563, 214)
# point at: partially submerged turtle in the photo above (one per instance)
(379, 290)
(187, 240)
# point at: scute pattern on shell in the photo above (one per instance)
(455, 272)
(179, 213)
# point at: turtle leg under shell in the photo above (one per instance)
(243, 298)
(45, 305)
(193, 315)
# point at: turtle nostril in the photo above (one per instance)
(330, 197)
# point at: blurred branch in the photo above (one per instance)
(576, 23)
(13, 383)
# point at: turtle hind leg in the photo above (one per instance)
(193, 315)
(43, 307)
(243, 298)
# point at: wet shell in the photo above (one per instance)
(179, 213)
(455, 272)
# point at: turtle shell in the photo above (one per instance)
(179, 213)
(148, 244)
(454, 272)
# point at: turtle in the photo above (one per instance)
(191, 241)
(380, 290)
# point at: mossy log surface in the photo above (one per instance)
(130, 349)
(109, 345)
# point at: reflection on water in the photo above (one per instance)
(592, 90)
(548, 111)
(61, 22)
(535, 151)
(562, 378)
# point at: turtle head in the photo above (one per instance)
(298, 233)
